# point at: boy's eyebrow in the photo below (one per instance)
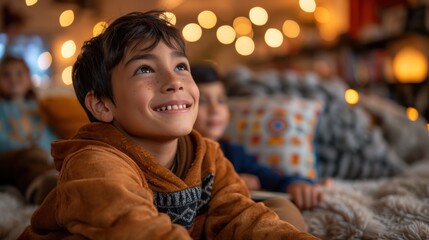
(175, 53)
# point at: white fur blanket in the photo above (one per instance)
(15, 215)
(390, 208)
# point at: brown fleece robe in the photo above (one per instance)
(111, 188)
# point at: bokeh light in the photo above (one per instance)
(291, 29)
(322, 15)
(30, 2)
(242, 26)
(66, 75)
(226, 34)
(192, 32)
(273, 37)
(207, 19)
(99, 28)
(307, 5)
(351, 96)
(44, 61)
(68, 49)
(244, 46)
(410, 65)
(258, 16)
(66, 18)
(412, 113)
(170, 17)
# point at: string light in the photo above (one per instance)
(244, 46)
(30, 2)
(351, 96)
(44, 60)
(68, 49)
(273, 37)
(67, 75)
(258, 16)
(207, 19)
(412, 114)
(225, 34)
(66, 18)
(192, 32)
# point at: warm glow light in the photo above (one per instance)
(291, 29)
(307, 5)
(99, 28)
(410, 65)
(169, 4)
(327, 33)
(351, 96)
(412, 114)
(66, 18)
(273, 37)
(225, 34)
(258, 16)
(322, 15)
(30, 2)
(207, 19)
(242, 26)
(44, 60)
(67, 75)
(427, 126)
(244, 46)
(170, 17)
(192, 32)
(68, 49)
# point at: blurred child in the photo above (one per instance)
(139, 171)
(24, 137)
(212, 120)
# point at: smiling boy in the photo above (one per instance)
(138, 171)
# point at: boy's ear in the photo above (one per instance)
(98, 108)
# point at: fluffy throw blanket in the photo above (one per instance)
(388, 208)
(15, 215)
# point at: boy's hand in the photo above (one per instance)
(252, 181)
(305, 195)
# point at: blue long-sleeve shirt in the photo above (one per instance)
(244, 162)
(21, 126)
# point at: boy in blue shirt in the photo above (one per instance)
(25, 138)
(212, 120)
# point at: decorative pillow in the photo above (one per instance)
(64, 114)
(278, 130)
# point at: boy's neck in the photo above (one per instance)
(164, 152)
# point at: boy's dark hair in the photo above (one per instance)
(99, 55)
(204, 73)
(8, 59)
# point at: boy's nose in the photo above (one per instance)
(172, 83)
(213, 106)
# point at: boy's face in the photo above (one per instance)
(155, 95)
(14, 80)
(213, 113)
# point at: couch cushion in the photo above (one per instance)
(279, 130)
(64, 114)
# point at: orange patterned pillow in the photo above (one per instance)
(278, 130)
(64, 114)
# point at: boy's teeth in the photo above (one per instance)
(171, 107)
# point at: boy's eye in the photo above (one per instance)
(182, 67)
(222, 100)
(144, 69)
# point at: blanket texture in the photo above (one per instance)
(15, 215)
(389, 208)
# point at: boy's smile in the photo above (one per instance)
(154, 93)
